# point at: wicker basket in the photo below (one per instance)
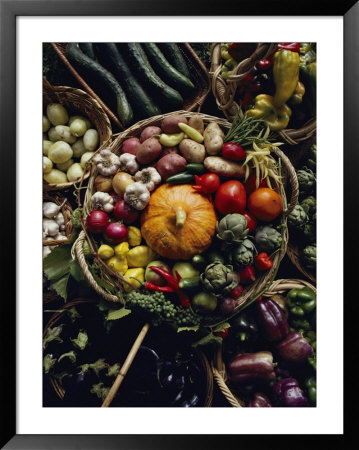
(78, 101)
(253, 290)
(60, 391)
(218, 366)
(67, 213)
(198, 71)
(224, 90)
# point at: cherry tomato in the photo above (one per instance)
(251, 221)
(233, 152)
(250, 184)
(265, 204)
(209, 183)
(230, 197)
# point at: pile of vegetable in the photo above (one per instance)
(136, 80)
(69, 141)
(85, 349)
(197, 245)
(53, 225)
(281, 90)
(270, 351)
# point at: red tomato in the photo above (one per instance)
(250, 184)
(265, 204)
(230, 197)
(209, 183)
(251, 221)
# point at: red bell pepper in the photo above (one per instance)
(262, 261)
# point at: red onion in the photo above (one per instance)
(97, 221)
(123, 211)
(116, 232)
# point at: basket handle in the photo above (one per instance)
(293, 179)
(88, 275)
(280, 286)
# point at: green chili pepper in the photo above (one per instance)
(301, 302)
(191, 132)
(171, 140)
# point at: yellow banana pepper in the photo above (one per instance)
(171, 140)
(122, 249)
(134, 276)
(134, 236)
(105, 251)
(297, 96)
(276, 118)
(140, 256)
(285, 75)
(117, 264)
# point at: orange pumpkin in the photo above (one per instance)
(178, 222)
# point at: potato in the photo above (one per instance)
(55, 177)
(74, 172)
(53, 135)
(170, 124)
(196, 122)
(65, 134)
(169, 151)
(148, 151)
(87, 121)
(78, 148)
(64, 166)
(46, 124)
(78, 127)
(60, 152)
(46, 146)
(170, 164)
(90, 139)
(192, 151)
(130, 145)
(46, 164)
(85, 158)
(223, 167)
(57, 114)
(213, 138)
(149, 132)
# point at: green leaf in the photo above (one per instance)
(115, 314)
(100, 390)
(52, 334)
(114, 370)
(72, 312)
(98, 365)
(60, 286)
(193, 328)
(208, 340)
(76, 272)
(221, 327)
(71, 355)
(57, 263)
(103, 305)
(81, 340)
(107, 286)
(49, 363)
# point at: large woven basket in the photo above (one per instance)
(67, 213)
(250, 292)
(60, 391)
(224, 90)
(198, 70)
(79, 102)
(217, 363)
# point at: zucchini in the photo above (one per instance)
(87, 48)
(175, 57)
(168, 97)
(196, 168)
(166, 71)
(102, 77)
(110, 57)
(189, 283)
(181, 178)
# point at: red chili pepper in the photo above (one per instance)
(292, 46)
(262, 261)
(223, 334)
(173, 283)
(247, 275)
(154, 287)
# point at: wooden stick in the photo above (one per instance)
(126, 365)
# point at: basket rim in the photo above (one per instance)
(293, 255)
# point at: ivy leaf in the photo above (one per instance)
(114, 370)
(53, 334)
(221, 327)
(193, 328)
(81, 340)
(71, 355)
(60, 286)
(115, 314)
(100, 390)
(72, 312)
(209, 339)
(57, 263)
(97, 366)
(49, 362)
(76, 272)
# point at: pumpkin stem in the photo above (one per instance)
(180, 217)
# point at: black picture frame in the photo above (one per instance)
(9, 11)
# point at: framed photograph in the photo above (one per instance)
(41, 65)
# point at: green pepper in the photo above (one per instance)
(311, 385)
(301, 302)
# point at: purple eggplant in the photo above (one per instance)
(288, 393)
(251, 367)
(259, 401)
(294, 348)
(272, 319)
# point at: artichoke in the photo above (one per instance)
(306, 180)
(218, 279)
(310, 256)
(309, 204)
(243, 254)
(232, 228)
(267, 239)
(298, 218)
(312, 158)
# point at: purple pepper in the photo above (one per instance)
(294, 348)
(288, 393)
(259, 401)
(251, 367)
(273, 320)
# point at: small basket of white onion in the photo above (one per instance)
(75, 128)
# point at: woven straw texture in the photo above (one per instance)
(224, 91)
(77, 101)
(218, 366)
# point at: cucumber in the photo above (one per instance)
(181, 178)
(87, 48)
(175, 57)
(189, 283)
(102, 77)
(167, 97)
(196, 168)
(166, 71)
(110, 57)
